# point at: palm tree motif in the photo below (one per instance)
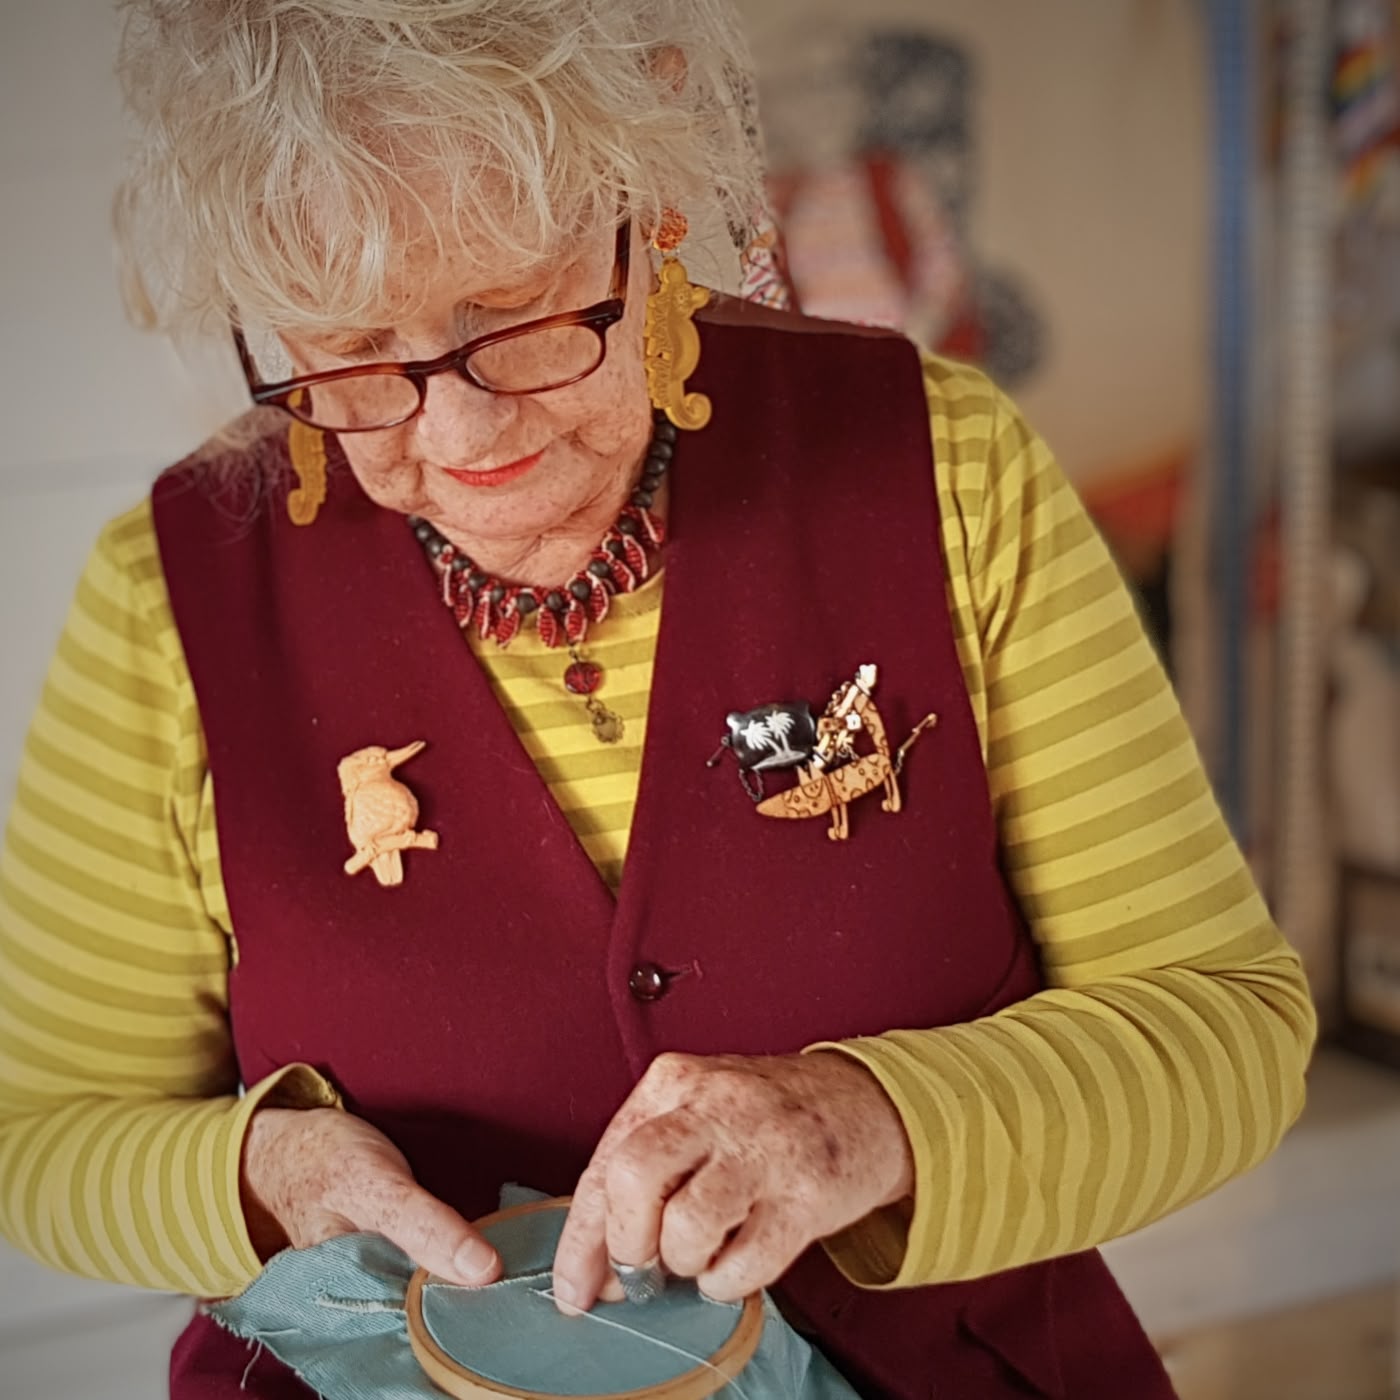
(757, 735)
(772, 733)
(780, 726)
(773, 736)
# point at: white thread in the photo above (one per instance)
(499, 1283)
(657, 1341)
(247, 1370)
(357, 1305)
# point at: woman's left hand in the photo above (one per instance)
(727, 1167)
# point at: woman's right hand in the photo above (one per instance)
(309, 1175)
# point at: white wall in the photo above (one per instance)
(92, 410)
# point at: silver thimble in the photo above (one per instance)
(640, 1282)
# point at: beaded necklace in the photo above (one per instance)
(562, 615)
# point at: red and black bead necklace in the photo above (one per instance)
(561, 616)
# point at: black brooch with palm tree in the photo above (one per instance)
(768, 738)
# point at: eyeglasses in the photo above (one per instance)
(550, 353)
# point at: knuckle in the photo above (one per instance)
(672, 1067)
(627, 1176)
(689, 1239)
(729, 1285)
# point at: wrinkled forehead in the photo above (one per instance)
(438, 263)
(478, 236)
(482, 253)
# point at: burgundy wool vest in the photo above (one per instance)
(481, 1014)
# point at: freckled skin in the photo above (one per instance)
(309, 1175)
(541, 527)
(728, 1167)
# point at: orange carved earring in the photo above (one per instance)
(307, 447)
(672, 341)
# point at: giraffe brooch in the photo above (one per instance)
(838, 757)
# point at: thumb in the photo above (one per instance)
(435, 1237)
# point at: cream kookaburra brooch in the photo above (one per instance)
(380, 812)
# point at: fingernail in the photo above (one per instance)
(475, 1261)
(567, 1297)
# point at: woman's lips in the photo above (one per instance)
(499, 476)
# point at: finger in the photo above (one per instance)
(431, 1233)
(645, 1169)
(759, 1255)
(698, 1220)
(581, 1258)
(581, 1269)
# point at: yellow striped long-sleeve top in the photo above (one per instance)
(1166, 1056)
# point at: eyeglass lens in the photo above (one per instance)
(523, 364)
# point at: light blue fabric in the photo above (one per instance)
(335, 1314)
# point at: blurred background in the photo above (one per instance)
(1171, 228)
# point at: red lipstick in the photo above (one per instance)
(499, 476)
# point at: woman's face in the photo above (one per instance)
(494, 470)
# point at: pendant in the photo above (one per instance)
(608, 727)
(832, 770)
(381, 812)
(583, 678)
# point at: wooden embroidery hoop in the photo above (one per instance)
(457, 1380)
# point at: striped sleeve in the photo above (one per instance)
(120, 1122)
(1168, 1053)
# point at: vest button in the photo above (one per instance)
(647, 982)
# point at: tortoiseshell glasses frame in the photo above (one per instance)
(294, 396)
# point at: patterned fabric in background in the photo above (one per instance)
(878, 234)
(1026, 188)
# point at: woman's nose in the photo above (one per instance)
(460, 423)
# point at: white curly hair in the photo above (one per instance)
(280, 142)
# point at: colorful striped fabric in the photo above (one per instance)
(1167, 1058)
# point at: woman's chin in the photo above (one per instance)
(507, 514)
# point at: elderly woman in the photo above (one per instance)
(365, 854)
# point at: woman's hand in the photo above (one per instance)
(728, 1167)
(311, 1174)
